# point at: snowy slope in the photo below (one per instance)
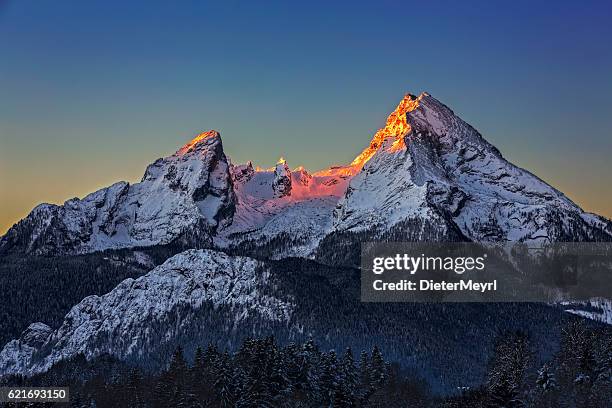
(595, 309)
(489, 198)
(293, 208)
(120, 322)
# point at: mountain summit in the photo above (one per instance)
(200, 142)
(397, 128)
(426, 175)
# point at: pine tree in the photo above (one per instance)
(294, 371)
(545, 393)
(257, 387)
(225, 381)
(584, 362)
(198, 361)
(378, 370)
(171, 388)
(162, 391)
(210, 356)
(178, 365)
(134, 389)
(311, 370)
(507, 372)
(364, 376)
(349, 373)
(349, 378)
(329, 378)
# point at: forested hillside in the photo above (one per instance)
(262, 373)
(43, 289)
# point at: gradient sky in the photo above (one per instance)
(91, 92)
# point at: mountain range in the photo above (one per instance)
(426, 176)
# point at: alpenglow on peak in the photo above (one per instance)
(396, 126)
(203, 137)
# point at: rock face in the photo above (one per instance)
(15, 356)
(282, 179)
(243, 172)
(488, 198)
(281, 212)
(185, 196)
(120, 322)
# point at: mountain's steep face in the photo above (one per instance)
(384, 192)
(488, 198)
(51, 228)
(185, 196)
(428, 175)
(121, 322)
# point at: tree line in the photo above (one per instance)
(261, 373)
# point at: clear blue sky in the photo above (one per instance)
(91, 92)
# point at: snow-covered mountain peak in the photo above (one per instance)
(242, 173)
(184, 196)
(428, 175)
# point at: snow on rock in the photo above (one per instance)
(427, 175)
(487, 197)
(282, 179)
(595, 309)
(290, 209)
(119, 322)
(243, 172)
(17, 353)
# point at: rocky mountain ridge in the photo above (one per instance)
(120, 322)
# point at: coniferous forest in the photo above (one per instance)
(262, 373)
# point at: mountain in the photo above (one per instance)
(183, 197)
(429, 176)
(140, 314)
